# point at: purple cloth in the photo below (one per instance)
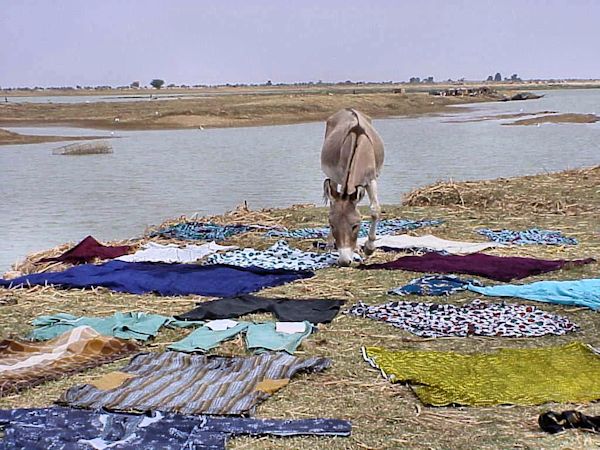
(501, 268)
(164, 279)
(88, 250)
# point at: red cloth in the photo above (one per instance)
(501, 268)
(88, 250)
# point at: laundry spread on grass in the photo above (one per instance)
(435, 285)
(473, 319)
(172, 253)
(384, 227)
(88, 250)
(205, 231)
(501, 268)
(525, 237)
(130, 325)
(563, 374)
(163, 279)
(25, 364)
(260, 337)
(59, 428)
(584, 292)
(279, 256)
(195, 384)
(284, 309)
(428, 243)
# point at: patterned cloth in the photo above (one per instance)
(25, 364)
(279, 256)
(384, 227)
(193, 384)
(565, 374)
(577, 292)
(70, 429)
(205, 231)
(530, 236)
(433, 285)
(163, 279)
(476, 318)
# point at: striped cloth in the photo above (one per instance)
(194, 384)
(25, 364)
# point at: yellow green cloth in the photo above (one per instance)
(564, 374)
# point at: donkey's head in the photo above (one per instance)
(344, 220)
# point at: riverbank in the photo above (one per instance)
(383, 415)
(10, 138)
(223, 111)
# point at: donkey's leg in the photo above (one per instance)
(375, 211)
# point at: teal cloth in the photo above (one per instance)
(262, 337)
(204, 339)
(584, 292)
(130, 325)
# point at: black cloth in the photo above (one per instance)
(286, 310)
(553, 422)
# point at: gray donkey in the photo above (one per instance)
(351, 158)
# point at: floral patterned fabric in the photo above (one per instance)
(530, 236)
(435, 285)
(278, 256)
(476, 318)
(384, 227)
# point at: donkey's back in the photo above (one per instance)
(352, 153)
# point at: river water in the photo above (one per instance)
(47, 199)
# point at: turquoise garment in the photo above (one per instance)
(130, 325)
(261, 337)
(584, 292)
(204, 339)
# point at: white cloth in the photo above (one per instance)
(220, 324)
(171, 253)
(430, 243)
(290, 327)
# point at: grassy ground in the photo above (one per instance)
(10, 138)
(383, 415)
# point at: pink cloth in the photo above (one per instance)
(501, 268)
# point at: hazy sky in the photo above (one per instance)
(91, 42)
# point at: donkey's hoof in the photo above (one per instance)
(369, 249)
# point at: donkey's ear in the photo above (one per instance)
(357, 195)
(329, 192)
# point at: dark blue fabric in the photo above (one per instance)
(62, 429)
(164, 279)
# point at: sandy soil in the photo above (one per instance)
(222, 111)
(10, 138)
(558, 118)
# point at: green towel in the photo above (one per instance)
(130, 325)
(565, 374)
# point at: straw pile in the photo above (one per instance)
(550, 193)
(88, 148)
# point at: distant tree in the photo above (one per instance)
(498, 77)
(428, 80)
(514, 77)
(135, 84)
(490, 78)
(172, 85)
(157, 84)
(414, 80)
(269, 83)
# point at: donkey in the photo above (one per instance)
(351, 158)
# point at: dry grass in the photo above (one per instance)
(383, 415)
(10, 138)
(557, 118)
